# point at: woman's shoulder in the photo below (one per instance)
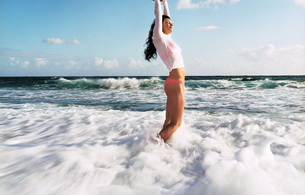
(161, 36)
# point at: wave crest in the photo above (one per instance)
(110, 83)
(152, 83)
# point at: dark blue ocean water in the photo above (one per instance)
(144, 83)
(146, 93)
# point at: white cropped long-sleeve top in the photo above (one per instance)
(167, 49)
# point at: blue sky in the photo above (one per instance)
(106, 37)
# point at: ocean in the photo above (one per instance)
(241, 135)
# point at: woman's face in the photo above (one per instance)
(167, 26)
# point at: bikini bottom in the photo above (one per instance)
(169, 80)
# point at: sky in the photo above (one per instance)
(107, 37)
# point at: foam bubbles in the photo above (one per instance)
(109, 83)
(49, 149)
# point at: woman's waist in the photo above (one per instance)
(177, 74)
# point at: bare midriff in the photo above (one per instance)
(177, 74)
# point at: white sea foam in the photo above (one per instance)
(96, 136)
(109, 83)
(81, 150)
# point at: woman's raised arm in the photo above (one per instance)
(166, 9)
(158, 20)
(158, 14)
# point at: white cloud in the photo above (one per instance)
(56, 41)
(40, 62)
(280, 60)
(133, 63)
(188, 4)
(75, 42)
(13, 61)
(98, 61)
(300, 2)
(259, 53)
(25, 64)
(59, 41)
(270, 52)
(69, 65)
(206, 28)
(109, 64)
(72, 62)
(28, 63)
(234, 1)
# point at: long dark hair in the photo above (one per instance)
(151, 51)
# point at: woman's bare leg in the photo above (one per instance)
(167, 115)
(175, 105)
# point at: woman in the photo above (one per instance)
(159, 41)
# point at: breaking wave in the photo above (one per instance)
(152, 83)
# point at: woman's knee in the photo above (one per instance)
(177, 123)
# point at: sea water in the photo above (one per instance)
(240, 136)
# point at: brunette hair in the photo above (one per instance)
(151, 51)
